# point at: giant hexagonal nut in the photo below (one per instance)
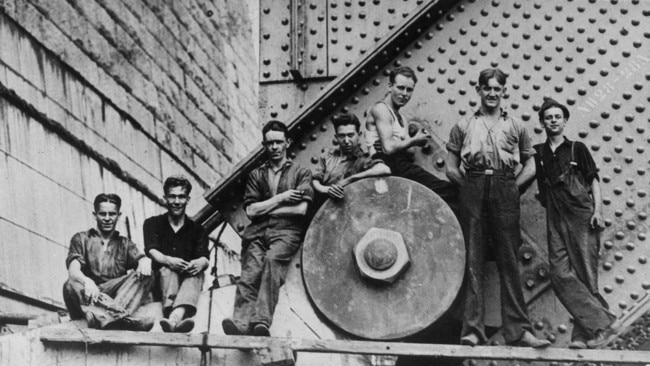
(381, 255)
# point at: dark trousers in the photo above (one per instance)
(179, 290)
(119, 297)
(401, 166)
(265, 263)
(573, 255)
(489, 205)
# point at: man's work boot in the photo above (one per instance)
(577, 344)
(230, 327)
(134, 324)
(261, 330)
(184, 326)
(167, 325)
(603, 338)
(529, 340)
(469, 340)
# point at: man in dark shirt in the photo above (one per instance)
(179, 249)
(345, 163)
(276, 200)
(569, 187)
(99, 287)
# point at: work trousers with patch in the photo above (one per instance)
(489, 205)
(178, 289)
(118, 298)
(401, 166)
(573, 247)
(265, 263)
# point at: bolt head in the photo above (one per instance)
(381, 255)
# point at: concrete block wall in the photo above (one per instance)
(136, 91)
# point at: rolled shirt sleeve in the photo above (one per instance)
(319, 174)
(456, 138)
(133, 254)
(201, 248)
(525, 144)
(303, 183)
(254, 191)
(151, 236)
(586, 163)
(76, 251)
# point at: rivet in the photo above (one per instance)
(622, 305)
(629, 202)
(643, 259)
(646, 285)
(539, 325)
(607, 266)
(634, 295)
(240, 226)
(619, 235)
(608, 289)
(641, 236)
(630, 246)
(618, 212)
(619, 279)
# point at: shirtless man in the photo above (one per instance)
(388, 140)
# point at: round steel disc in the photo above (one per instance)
(419, 294)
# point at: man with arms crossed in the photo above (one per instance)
(99, 287)
(276, 200)
(490, 145)
(569, 188)
(179, 249)
(344, 164)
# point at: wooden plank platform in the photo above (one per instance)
(92, 336)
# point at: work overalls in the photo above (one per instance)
(573, 247)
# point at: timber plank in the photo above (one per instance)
(91, 336)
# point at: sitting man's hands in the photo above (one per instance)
(177, 264)
(335, 191)
(196, 266)
(91, 290)
(144, 267)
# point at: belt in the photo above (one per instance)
(490, 172)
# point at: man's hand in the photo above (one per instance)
(91, 290)
(177, 264)
(335, 191)
(196, 266)
(144, 267)
(596, 221)
(290, 196)
(422, 138)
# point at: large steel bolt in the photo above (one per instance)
(381, 255)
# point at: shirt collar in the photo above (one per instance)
(503, 113)
(357, 153)
(566, 141)
(287, 164)
(93, 232)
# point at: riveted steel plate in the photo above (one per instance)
(421, 294)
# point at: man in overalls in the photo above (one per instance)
(569, 188)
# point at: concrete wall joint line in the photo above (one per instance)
(206, 77)
(106, 99)
(67, 136)
(124, 84)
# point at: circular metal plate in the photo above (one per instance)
(420, 294)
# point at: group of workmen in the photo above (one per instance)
(490, 163)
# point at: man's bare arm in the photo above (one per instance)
(90, 287)
(377, 170)
(382, 117)
(527, 172)
(453, 168)
(289, 197)
(299, 209)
